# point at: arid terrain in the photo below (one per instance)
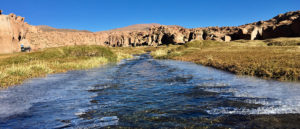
(14, 31)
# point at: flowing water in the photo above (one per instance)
(148, 93)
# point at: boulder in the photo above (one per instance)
(256, 33)
(244, 31)
(227, 38)
(178, 38)
(196, 35)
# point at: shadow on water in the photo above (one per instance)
(148, 93)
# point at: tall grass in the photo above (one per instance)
(163, 51)
(253, 58)
(19, 67)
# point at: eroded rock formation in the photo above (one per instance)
(14, 31)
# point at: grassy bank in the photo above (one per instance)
(16, 68)
(272, 59)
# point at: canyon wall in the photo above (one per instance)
(14, 32)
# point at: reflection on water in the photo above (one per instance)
(149, 93)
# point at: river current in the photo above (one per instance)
(146, 93)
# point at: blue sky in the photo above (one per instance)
(97, 15)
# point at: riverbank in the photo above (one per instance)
(270, 59)
(15, 68)
(147, 93)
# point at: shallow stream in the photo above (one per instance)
(148, 93)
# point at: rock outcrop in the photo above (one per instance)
(14, 31)
(283, 25)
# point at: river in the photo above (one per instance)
(147, 93)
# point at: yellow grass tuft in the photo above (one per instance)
(41, 67)
(18, 70)
(2, 75)
(121, 56)
(160, 52)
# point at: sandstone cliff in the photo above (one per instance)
(14, 31)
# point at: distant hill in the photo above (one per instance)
(46, 28)
(136, 27)
(139, 27)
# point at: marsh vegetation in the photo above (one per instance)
(271, 59)
(15, 68)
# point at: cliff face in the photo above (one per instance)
(13, 32)
(40, 39)
(283, 25)
(153, 36)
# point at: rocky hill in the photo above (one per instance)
(14, 31)
(136, 27)
(46, 28)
